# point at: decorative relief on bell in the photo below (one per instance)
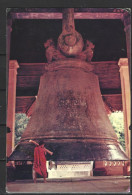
(52, 53)
(70, 42)
(87, 53)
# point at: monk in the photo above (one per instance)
(39, 165)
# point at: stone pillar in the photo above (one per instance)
(11, 103)
(125, 87)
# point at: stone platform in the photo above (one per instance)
(90, 184)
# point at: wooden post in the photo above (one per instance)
(13, 65)
(125, 87)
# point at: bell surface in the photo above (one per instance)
(70, 117)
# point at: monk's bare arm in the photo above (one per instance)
(34, 142)
(48, 151)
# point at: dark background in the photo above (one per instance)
(28, 37)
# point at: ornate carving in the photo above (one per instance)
(87, 54)
(122, 10)
(70, 42)
(13, 64)
(51, 52)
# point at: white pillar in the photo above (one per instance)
(11, 104)
(125, 87)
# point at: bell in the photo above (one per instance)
(70, 116)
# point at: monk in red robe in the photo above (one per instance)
(39, 165)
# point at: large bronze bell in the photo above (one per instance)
(70, 115)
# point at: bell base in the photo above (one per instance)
(71, 151)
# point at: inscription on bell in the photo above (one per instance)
(69, 105)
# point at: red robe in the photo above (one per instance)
(40, 161)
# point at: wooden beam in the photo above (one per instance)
(30, 106)
(26, 92)
(28, 77)
(31, 69)
(24, 97)
(55, 15)
(28, 81)
(23, 103)
(111, 91)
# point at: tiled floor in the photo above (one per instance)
(89, 185)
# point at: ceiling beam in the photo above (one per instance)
(55, 15)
